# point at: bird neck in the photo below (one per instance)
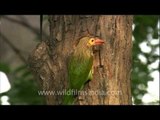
(85, 51)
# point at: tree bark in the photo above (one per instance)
(111, 79)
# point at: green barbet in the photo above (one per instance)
(79, 67)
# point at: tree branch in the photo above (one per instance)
(27, 25)
(17, 51)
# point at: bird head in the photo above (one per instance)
(94, 41)
(86, 44)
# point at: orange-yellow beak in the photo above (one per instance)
(99, 42)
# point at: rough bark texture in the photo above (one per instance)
(111, 82)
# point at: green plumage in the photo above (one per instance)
(79, 67)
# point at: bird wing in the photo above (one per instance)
(79, 68)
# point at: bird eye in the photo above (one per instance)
(92, 40)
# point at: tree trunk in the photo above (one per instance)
(112, 65)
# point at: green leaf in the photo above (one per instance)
(4, 67)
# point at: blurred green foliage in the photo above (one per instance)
(24, 88)
(145, 26)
